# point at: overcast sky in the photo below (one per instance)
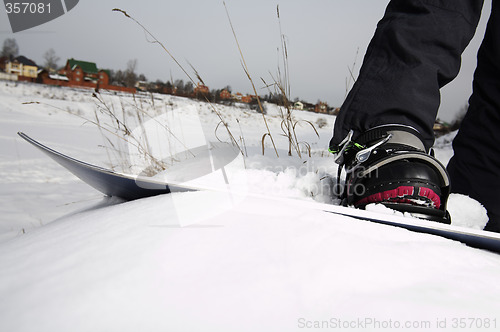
(323, 38)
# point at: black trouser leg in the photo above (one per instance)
(415, 51)
(475, 167)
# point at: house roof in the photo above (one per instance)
(87, 67)
(25, 61)
(107, 71)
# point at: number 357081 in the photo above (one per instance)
(27, 8)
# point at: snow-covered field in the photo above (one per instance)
(72, 260)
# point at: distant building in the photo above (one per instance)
(143, 86)
(225, 95)
(237, 96)
(321, 107)
(201, 89)
(81, 74)
(165, 88)
(24, 68)
(440, 127)
(247, 99)
(244, 99)
(298, 105)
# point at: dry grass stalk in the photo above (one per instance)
(282, 88)
(245, 68)
(349, 81)
(156, 41)
(119, 130)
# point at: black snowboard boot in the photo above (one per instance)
(390, 165)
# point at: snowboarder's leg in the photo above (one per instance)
(475, 167)
(416, 50)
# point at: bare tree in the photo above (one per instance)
(118, 77)
(10, 48)
(179, 85)
(130, 75)
(51, 60)
(188, 88)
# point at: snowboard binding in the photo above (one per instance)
(390, 165)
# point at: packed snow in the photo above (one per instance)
(73, 260)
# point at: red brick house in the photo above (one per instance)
(247, 99)
(81, 74)
(78, 72)
(201, 89)
(224, 95)
(321, 107)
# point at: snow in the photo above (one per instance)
(72, 260)
(467, 212)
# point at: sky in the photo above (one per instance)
(324, 39)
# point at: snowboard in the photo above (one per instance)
(106, 181)
(132, 187)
